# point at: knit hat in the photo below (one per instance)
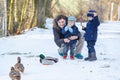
(71, 18)
(41, 56)
(92, 11)
(90, 15)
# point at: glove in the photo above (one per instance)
(71, 30)
(66, 28)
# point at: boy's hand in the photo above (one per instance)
(73, 37)
(66, 40)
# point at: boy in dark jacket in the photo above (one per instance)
(68, 31)
(91, 34)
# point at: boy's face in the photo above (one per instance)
(71, 23)
(90, 18)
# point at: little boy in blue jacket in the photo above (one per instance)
(91, 34)
(68, 31)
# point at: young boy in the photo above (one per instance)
(91, 34)
(68, 31)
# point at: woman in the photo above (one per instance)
(59, 22)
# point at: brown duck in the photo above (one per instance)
(19, 66)
(14, 74)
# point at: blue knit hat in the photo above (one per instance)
(71, 18)
(90, 15)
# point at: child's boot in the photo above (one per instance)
(93, 56)
(87, 58)
(65, 56)
(72, 57)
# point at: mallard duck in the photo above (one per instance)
(19, 66)
(14, 74)
(48, 60)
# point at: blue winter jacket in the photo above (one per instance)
(68, 34)
(91, 29)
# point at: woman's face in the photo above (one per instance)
(61, 23)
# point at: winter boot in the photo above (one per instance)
(87, 58)
(60, 50)
(61, 54)
(79, 56)
(93, 56)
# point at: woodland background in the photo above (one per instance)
(18, 15)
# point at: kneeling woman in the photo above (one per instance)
(59, 22)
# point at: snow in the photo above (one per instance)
(36, 41)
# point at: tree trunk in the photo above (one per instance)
(10, 23)
(5, 7)
(43, 12)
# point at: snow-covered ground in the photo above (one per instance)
(36, 41)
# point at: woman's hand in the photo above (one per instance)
(66, 40)
(73, 37)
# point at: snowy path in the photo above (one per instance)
(31, 44)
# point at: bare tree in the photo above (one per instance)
(5, 18)
(26, 14)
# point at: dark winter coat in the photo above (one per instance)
(68, 34)
(58, 36)
(91, 29)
